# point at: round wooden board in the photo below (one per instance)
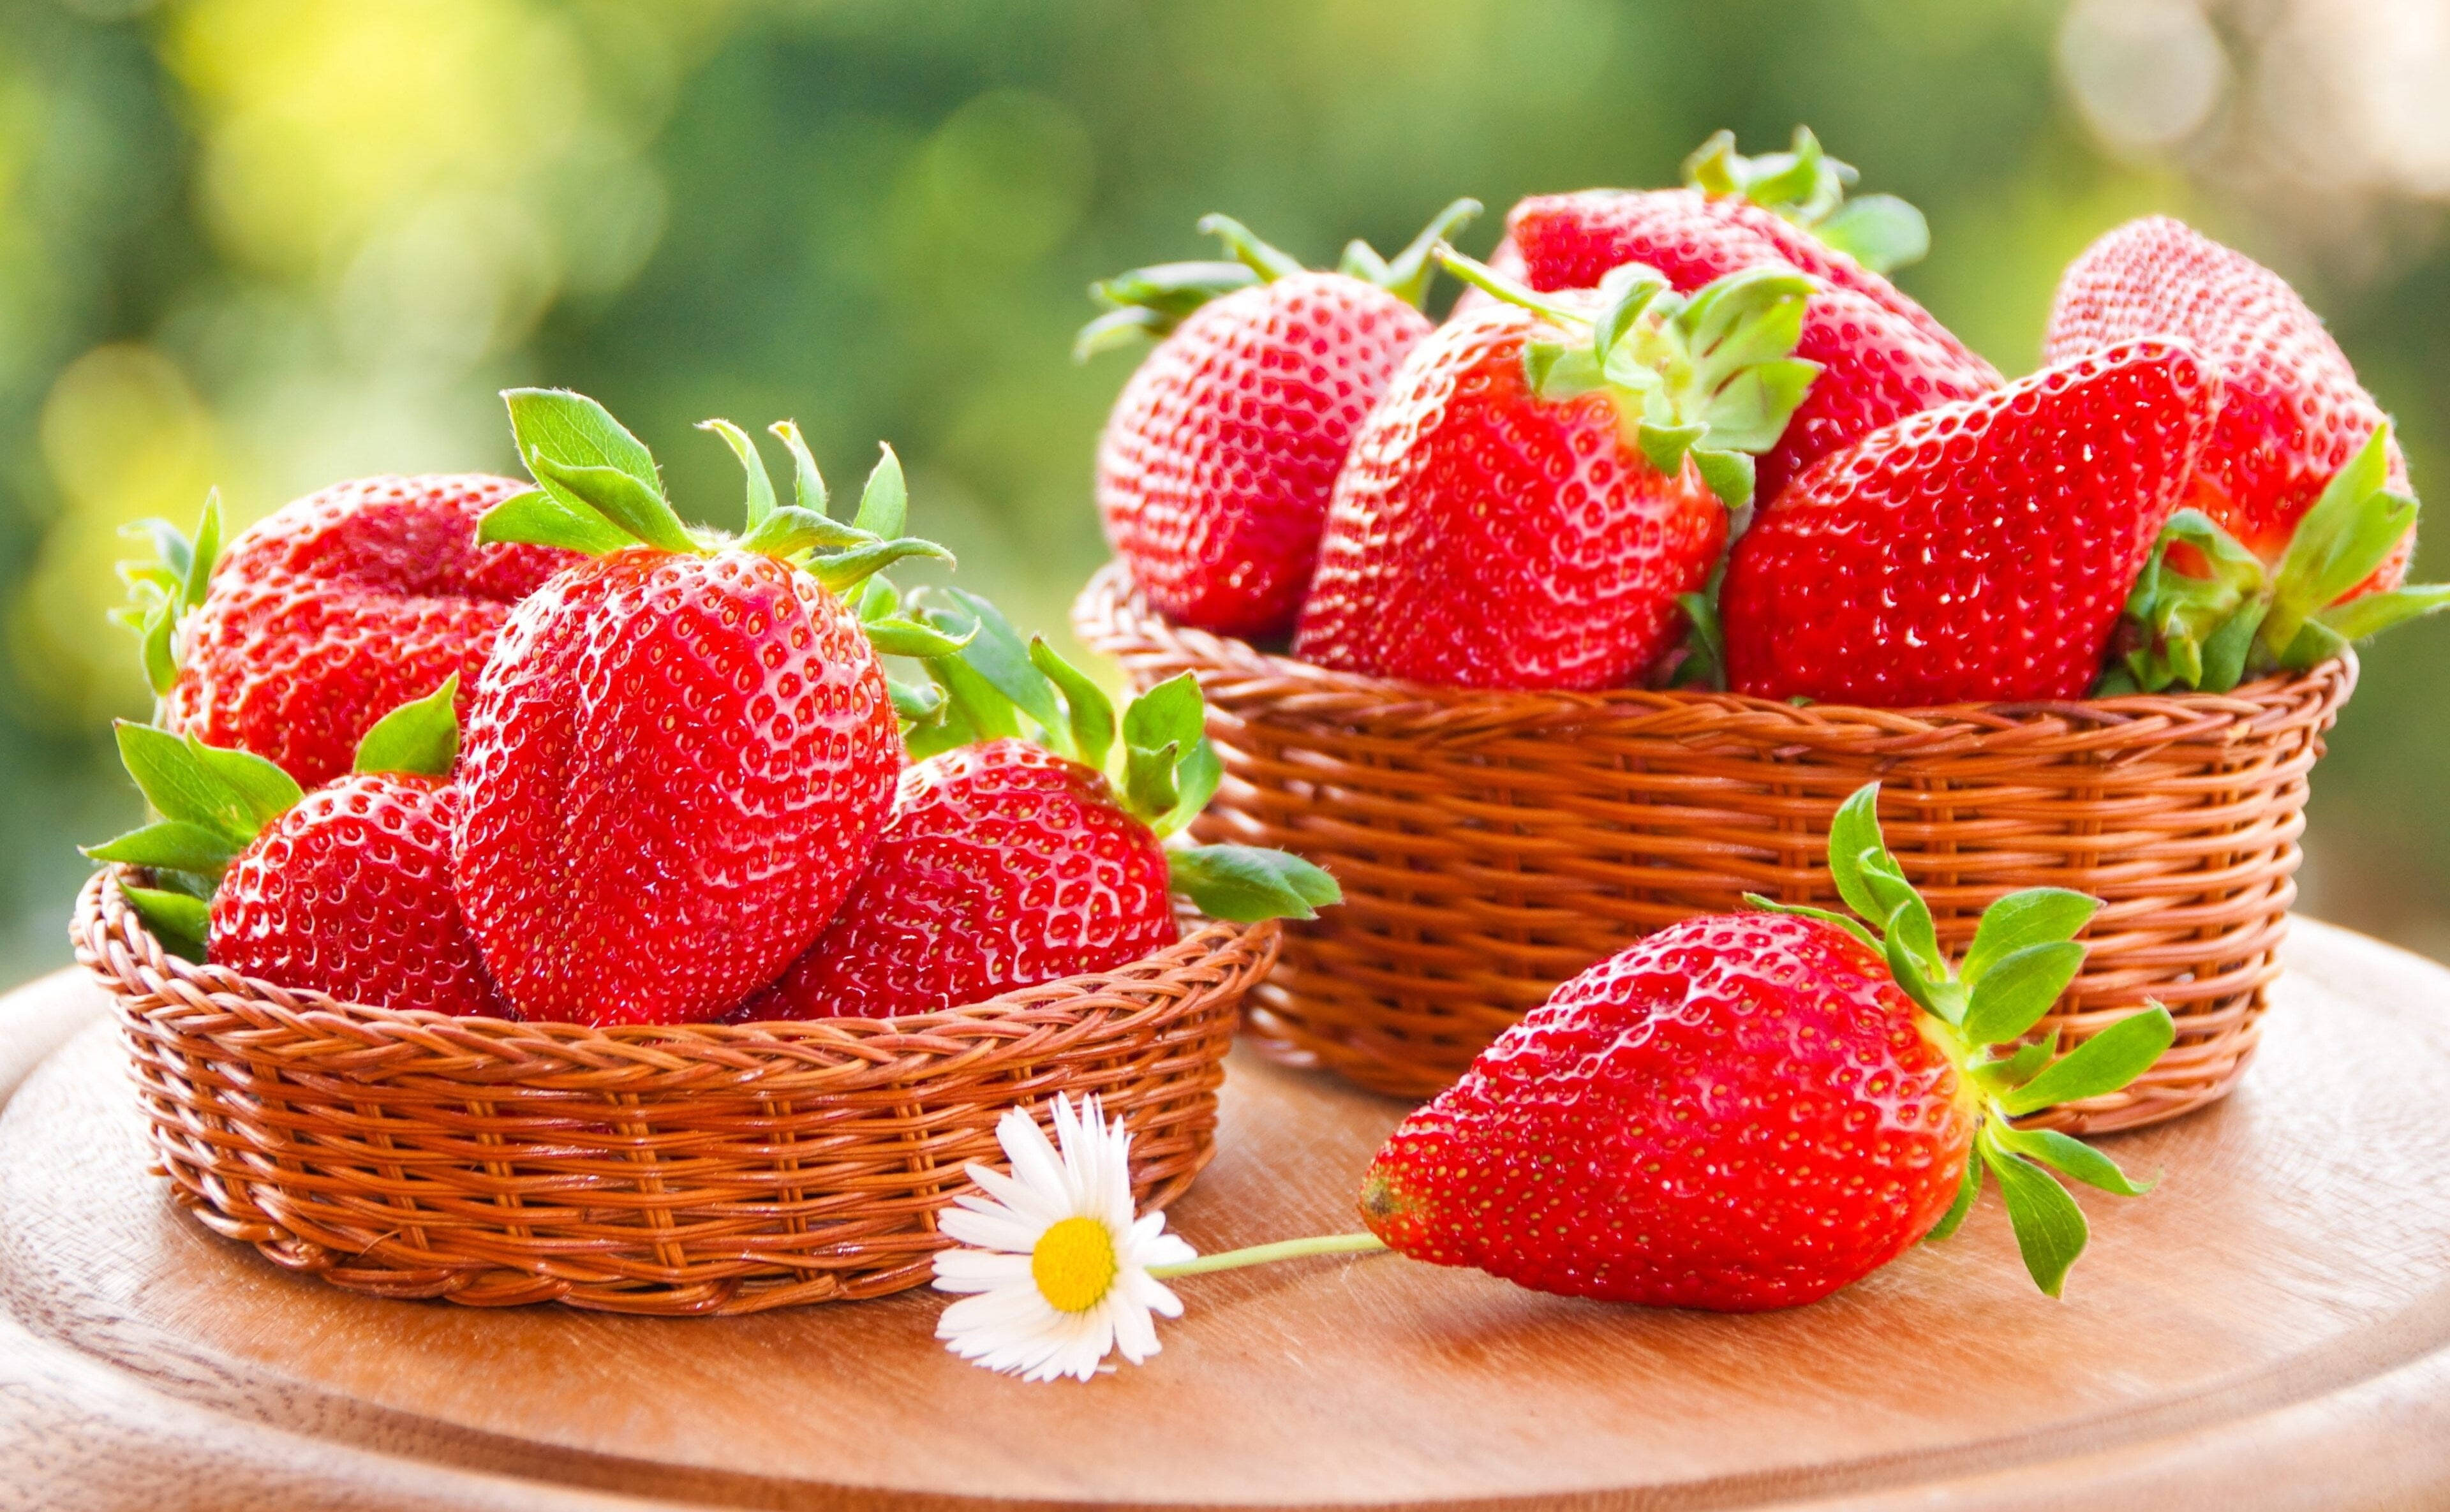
(2271, 1329)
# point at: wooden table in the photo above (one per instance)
(2269, 1330)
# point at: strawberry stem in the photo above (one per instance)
(1259, 1255)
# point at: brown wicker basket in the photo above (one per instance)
(697, 1169)
(1493, 844)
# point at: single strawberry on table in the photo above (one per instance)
(1747, 1112)
(1548, 478)
(1029, 845)
(330, 613)
(1978, 551)
(682, 749)
(1216, 465)
(345, 889)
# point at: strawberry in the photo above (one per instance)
(2295, 412)
(328, 613)
(1747, 1112)
(682, 749)
(343, 890)
(1545, 478)
(1007, 865)
(1215, 466)
(1735, 213)
(1979, 550)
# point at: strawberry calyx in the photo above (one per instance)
(208, 802)
(1151, 301)
(1155, 754)
(162, 593)
(1806, 186)
(1711, 376)
(2240, 618)
(1980, 1010)
(598, 491)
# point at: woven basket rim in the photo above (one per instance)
(1112, 614)
(102, 908)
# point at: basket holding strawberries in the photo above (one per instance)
(683, 793)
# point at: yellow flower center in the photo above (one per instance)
(1073, 1264)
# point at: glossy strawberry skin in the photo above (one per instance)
(2295, 412)
(1570, 241)
(1737, 1112)
(349, 893)
(337, 609)
(1978, 551)
(1483, 537)
(1218, 460)
(675, 769)
(1004, 865)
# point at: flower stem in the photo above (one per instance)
(1259, 1255)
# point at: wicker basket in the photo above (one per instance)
(1493, 844)
(698, 1169)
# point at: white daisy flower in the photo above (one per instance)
(1057, 1265)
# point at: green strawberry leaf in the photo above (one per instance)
(2037, 915)
(1149, 302)
(982, 709)
(1880, 231)
(2051, 1231)
(170, 844)
(1557, 371)
(1408, 274)
(420, 737)
(1625, 294)
(158, 646)
(1269, 262)
(894, 635)
(2018, 989)
(1805, 911)
(1244, 883)
(914, 703)
(637, 508)
(1664, 446)
(789, 530)
(2015, 1070)
(2101, 1065)
(180, 923)
(1705, 643)
(1148, 780)
(204, 552)
(1170, 714)
(1196, 775)
(538, 518)
(947, 728)
(761, 484)
(1969, 1185)
(1729, 475)
(2372, 613)
(2069, 1156)
(885, 501)
(844, 570)
(1854, 833)
(1089, 714)
(232, 792)
(807, 484)
(997, 655)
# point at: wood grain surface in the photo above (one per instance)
(2271, 1328)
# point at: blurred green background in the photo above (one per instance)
(271, 244)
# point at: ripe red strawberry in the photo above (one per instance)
(1785, 208)
(1004, 865)
(1216, 465)
(1007, 865)
(1981, 551)
(681, 754)
(2295, 412)
(343, 890)
(1748, 1111)
(337, 608)
(1545, 478)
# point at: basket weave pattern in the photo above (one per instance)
(1493, 844)
(693, 1169)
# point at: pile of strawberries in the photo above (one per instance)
(475, 747)
(1694, 437)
